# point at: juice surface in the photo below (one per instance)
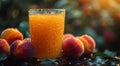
(46, 34)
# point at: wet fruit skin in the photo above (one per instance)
(22, 49)
(72, 47)
(88, 42)
(11, 34)
(4, 46)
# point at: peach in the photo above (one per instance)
(88, 42)
(67, 36)
(22, 49)
(4, 46)
(11, 34)
(109, 36)
(72, 47)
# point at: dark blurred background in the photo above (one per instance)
(97, 18)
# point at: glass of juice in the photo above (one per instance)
(46, 31)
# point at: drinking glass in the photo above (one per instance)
(46, 31)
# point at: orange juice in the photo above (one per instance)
(46, 30)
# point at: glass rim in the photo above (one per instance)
(46, 11)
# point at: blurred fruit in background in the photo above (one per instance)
(109, 36)
(84, 2)
(118, 1)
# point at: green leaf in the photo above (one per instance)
(48, 62)
(103, 55)
(3, 56)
